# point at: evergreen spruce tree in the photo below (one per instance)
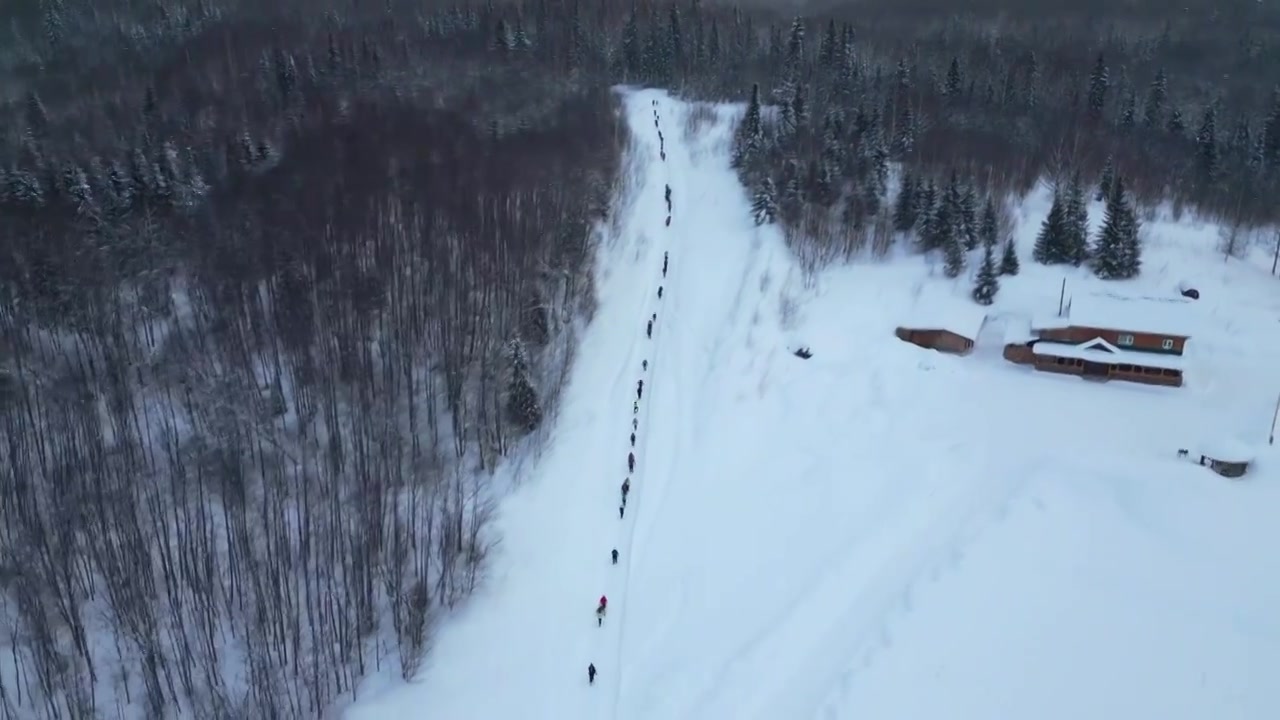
(1157, 94)
(987, 284)
(1269, 143)
(749, 142)
(1076, 244)
(523, 406)
(632, 48)
(955, 81)
(1207, 147)
(1118, 253)
(967, 217)
(904, 209)
(940, 228)
(953, 255)
(1129, 113)
(1108, 177)
(989, 226)
(1099, 81)
(1050, 248)
(1009, 261)
(764, 206)
(926, 205)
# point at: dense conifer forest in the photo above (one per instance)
(281, 283)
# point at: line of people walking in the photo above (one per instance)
(603, 605)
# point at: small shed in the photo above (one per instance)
(946, 324)
(1227, 456)
(1018, 339)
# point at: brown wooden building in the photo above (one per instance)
(950, 326)
(1108, 337)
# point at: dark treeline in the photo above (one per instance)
(282, 282)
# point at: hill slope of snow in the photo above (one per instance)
(879, 531)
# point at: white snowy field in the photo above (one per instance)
(880, 531)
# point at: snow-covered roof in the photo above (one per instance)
(1160, 316)
(1017, 331)
(947, 313)
(1101, 351)
(1227, 449)
(1049, 322)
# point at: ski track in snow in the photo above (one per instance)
(791, 522)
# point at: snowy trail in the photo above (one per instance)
(531, 632)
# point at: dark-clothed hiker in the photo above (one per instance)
(631, 462)
(639, 389)
(644, 365)
(648, 330)
(591, 674)
(635, 407)
(635, 422)
(626, 488)
(633, 439)
(621, 509)
(664, 157)
(659, 292)
(664, 264)
(615, 556)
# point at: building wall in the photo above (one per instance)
(1131, 373)
(942, 340)
(1145, 342)
(1019, 353)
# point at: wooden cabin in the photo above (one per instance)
(947, 325)
(1108, 337)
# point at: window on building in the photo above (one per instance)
(1167, 344)
(1125, 340)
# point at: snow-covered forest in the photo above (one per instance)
(282, 283)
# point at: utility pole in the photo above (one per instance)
(1276, 258)
(1271, 440)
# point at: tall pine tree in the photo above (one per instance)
(989, 226)
(986, 284)
(1009, 260)
(1076, 244)
(764, 207)
(1118, 252)
(1051, 243)
(523, 406)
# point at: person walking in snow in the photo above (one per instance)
(615, 556)
(621, 510)
(591, 674)
(644, 365)
(635, 408)
(633, 439)
(635, 422)
(664, 157)
(664, 264)
(659, 292)
(626, 488)
(631, 462)
(649, 329)
(639, 389)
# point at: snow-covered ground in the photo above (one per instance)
(880, 531)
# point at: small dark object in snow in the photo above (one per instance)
(804, 353)
(668, 221)
(1192, 293)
